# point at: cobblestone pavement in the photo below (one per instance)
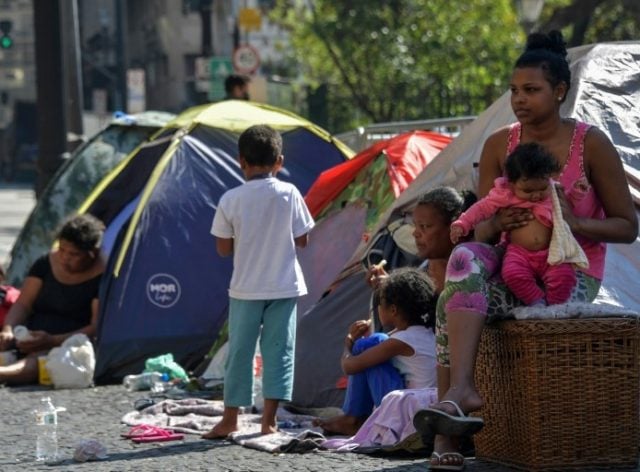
(95, 413)
(16, 202)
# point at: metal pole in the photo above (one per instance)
(120, 97)
(71, 42)
(205, 18)
(50, 122)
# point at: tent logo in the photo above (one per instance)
(163, 290)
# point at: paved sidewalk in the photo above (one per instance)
(95, 413)
(16, 202)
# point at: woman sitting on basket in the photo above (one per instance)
(596, 204)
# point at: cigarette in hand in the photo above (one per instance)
(380, 264)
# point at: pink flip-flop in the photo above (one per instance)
(150, 433)
(165, 436)
(141, 430)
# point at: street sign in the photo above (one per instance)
(202, 73)
(202, 70)
(219, 68)
(246, 59)
(249, 19)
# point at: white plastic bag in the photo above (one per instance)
(72, 364)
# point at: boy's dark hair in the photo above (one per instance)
(83, 231)
(449, 202)
(549, 52)
(413, 294)
(234, 80)
(530, 161)
(260, 145)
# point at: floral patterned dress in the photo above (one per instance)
(473, 283)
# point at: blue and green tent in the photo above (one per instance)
(165, 288)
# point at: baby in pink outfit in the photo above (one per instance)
(527, 184)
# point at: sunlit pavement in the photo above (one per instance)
(95, 413)
(16, 202)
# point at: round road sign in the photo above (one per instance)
(246, 59)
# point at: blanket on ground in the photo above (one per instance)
(389, 428)
(197, 416)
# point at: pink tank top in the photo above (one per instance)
(579, 191)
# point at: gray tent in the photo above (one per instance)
(74, 181)
(605, 92)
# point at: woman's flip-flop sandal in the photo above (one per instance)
(436, 421)
(456, 456)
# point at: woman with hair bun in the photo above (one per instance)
(596, 204)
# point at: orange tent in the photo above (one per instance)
(405, 155)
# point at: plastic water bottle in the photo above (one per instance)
(47, 434)
(143, 381)
(21, 333)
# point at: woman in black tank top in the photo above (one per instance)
(59, 298)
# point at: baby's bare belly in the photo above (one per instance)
(534, 236)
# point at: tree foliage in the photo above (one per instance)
(593, 21)
(404, 59)
(395, 60)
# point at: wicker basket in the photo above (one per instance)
(560, 394)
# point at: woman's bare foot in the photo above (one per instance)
(446, 452)
(346, 425)
(221, 431)
(467, 399)
(442, 444)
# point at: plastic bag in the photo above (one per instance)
(165, 365)
(89, 450)
(72, 364)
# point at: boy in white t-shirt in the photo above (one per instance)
(260, 222)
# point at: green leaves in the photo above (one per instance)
(404, 59)
(391, 60)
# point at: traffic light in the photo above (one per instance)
(6, 41)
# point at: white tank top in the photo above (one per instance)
(419, 370)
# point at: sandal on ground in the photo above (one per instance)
(436, 421)
(160, 435)
(140, 430)
(150, 433)
(142, 403)
(447, 456)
